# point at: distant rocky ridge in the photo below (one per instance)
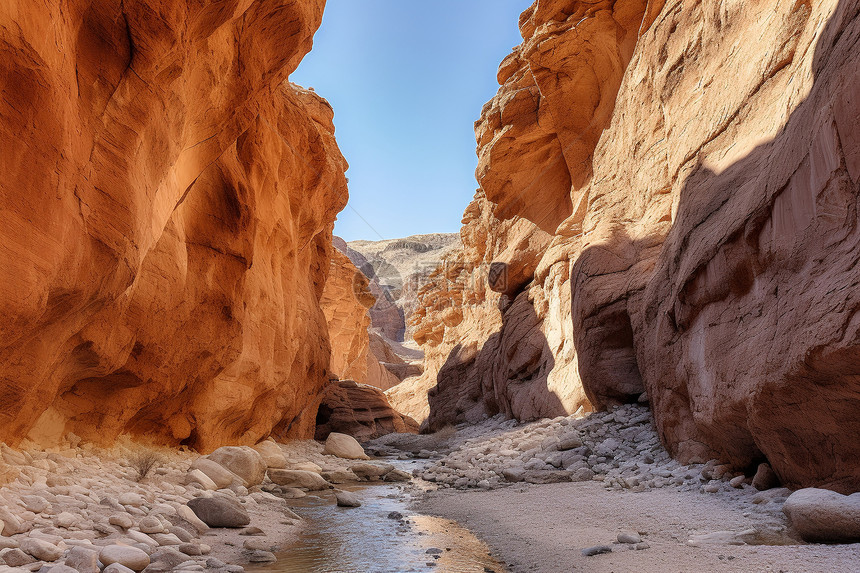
(397, 269)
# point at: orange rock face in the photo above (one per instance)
(346, 303)
(168, 204)
(672, 208)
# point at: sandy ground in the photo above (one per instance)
(543, 528)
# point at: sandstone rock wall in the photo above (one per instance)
(346, 303)
(671, 191)
(167, 207)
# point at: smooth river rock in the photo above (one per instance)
(131, 557)
(343, 446)
(824, 516)
(243, 461)
(219, 512)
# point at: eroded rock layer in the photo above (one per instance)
(666, 205)
(167, 207)
(360, 411)
(346, 302)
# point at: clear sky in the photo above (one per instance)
(407, 80)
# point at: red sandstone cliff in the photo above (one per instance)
(167, 207)
(346, 302)
(672, 190)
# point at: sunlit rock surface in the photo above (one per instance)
(346, 303)
(167, 207)
(670, 207)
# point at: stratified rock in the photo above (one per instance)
(345, 302)
(397, 269)
(824, 516)
(219, 512)
(162, 272)
(343, 446)
(671, 214)
(360, 411)
(243, 461)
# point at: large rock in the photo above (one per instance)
(131, 557)
(40, 549)
(149, 259)
(343, 446)
(299, 479)
(360, 411)
(824, 516)
(272, 454)
(673, 212)
(217, 473)
(219, 512)
(243, 461)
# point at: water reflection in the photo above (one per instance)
(367, 540)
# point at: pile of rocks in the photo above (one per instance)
(619, 448)
(88, 510)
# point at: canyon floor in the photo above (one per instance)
(540, 495)
(615, 483)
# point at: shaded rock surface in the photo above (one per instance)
(219, 512)
(163, 270)
(360, 411)
(668, 213)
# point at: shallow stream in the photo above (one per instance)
(372, 539)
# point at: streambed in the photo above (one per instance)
(382, 536)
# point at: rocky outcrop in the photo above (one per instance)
(168, 203)
(360, 411)
(346, 301)
(666, 206)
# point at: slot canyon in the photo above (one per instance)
(640, 352)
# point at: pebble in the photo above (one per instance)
(123, 520)
(83, 560)
(132, 499)
(40, 549)
(629, 537)
(16, 558)
(596, 550)
(259, 556)
(150, 524)
(738, 481)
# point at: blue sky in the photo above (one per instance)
(407, 80)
